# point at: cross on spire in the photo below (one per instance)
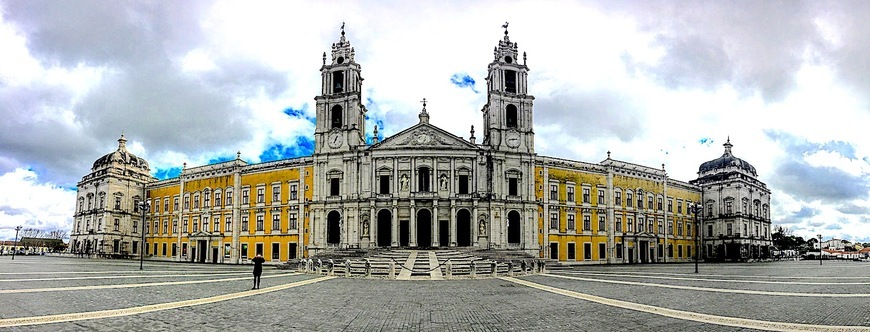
(424, 104)
(424, 117)
(342, 28)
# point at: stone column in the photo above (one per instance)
(412, 227)
(453, 223)
(395, 225)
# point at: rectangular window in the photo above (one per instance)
(618, 198)
(184, 225)
(709, 230)
(261, 195)
(117, 203)
(292, 221)
(260, 223)
(186, 202)
(229, 198)
(175, 204)
(195, 201)
(670, 251)
(205, 224)
(117, 225)
(164, 249)
(244, 251)
(174, 249)
(618, 250)
(587, 251)
(195, 225)
(680, 251)
(639, 201)
(245, 196)
(135, 247)
(586, 198)
(640, 225)
(244, 223)
(659, 202)
(650, 203)
(602, 251)
(206, 199)
(165, 226)
(554, 192)
(729, 207)
(333, 187)
(689, 252)
(228, 225)
(570, 194)
(570, 222)
(155, 247)
(618, 224)
(227, 250)
(294, 192)
(680, 229)
(670, 205)
(510, 81)
(276, 251)
(710, 210)
(423, 177)
(276, 194)
(276, 222)
(384, 181)
(217, 225)
(135, 226)
(571, 252)
(463, 184)
(554, 221)
(587, 223)
(728, 229)
(670, 227)
(600, 197)
(259, 249)
(630, 225)
(513, 189)
(602, 224)
(217, 199)
(628, 200)
(679, 207)
(174, 225)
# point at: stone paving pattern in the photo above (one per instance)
(450, 305)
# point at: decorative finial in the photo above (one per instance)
(375, 139)
(505, 26)
(342, 28)
(424, 116)
(122, 142)
(324, 58)
(238, 155)
(663, 166)
(608, 154)
(728, 146)
(184, 166)
(524, 58)
(472, 138)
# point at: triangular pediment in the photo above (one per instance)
(424, 136)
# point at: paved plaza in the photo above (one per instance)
(41, 293)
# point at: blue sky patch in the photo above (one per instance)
(706, 141)
(463, 80)
(299, 113)
(303, 147)
(167, 173)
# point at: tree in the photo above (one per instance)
(784, 239)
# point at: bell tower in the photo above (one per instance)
(340, 121)
(508, 115)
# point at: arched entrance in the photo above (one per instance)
(514, 235)
(424, 228)
(463, 228)
(333, 228)
(385, 228)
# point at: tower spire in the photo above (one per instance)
(424, 116)
(728, 146)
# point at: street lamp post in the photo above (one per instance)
(15, 247)
(144, 206)
(695, 209)
(820, 248)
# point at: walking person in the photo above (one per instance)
(258, 270)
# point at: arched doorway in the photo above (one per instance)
(514, 227)
(463, 228)
(385, 228)
(333, 228)
(424, 228)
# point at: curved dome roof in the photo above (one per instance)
(727, 160)
(121, 157)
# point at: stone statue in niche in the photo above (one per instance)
(365, 227)
(403, 181)
(482, 229)
(443, 182)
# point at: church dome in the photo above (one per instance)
(727, 160)
(121, 157)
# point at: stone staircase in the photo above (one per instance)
(404, 264)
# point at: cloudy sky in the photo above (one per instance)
(653, 82)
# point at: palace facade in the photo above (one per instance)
(423, 187)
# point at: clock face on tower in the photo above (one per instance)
(334, 139)
(512, 139)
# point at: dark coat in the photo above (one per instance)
(258, 265)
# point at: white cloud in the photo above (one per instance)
(29, 203)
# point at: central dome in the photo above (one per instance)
(725, 161)
(121, 157)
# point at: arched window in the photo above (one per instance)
(336, 116)
(511, 116)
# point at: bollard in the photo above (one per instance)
(510, 268)
(494, 266)
(331, 267)
(319, 266)
(392, 269)
(368, 268)
(347, 268)
(449, 268)
(473, 270)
